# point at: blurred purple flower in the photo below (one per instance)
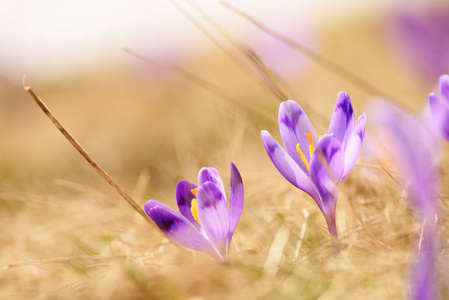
(317, 166)
(414, 145)
(424, 275)
(283, 60)
(423, 36)
(204, 222)
(440, 106)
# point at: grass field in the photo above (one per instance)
(66, 234)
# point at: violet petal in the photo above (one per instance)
(342, 122)
(326, 171)
(184, 197)
(353, 145)
(176, 227)
(413, 151)
(211, 174)
(287, 166)
(235, 200)
(444, 87)
(213, 215)
(293, 125)
(440, 114)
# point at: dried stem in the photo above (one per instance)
(266, 77)
(318, 59)
(87, 157)
(60, 260)
(220, 92)
(302, 233)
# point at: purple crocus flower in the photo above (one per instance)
(204, 221)
(283, 60)
(422, 36)
(317, 166)
(440, 106)
(414, 145)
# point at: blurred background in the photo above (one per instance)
(196, 83)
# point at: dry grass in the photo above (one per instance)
(67, 235)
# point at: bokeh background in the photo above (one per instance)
(209, 82)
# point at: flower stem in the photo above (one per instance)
(334, 235)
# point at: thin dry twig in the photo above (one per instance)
(302, 233)
(59, 260)
(87, 157)
(266, 77)
(318, 59)
(275, 253)
(200, 81)
(388, 173)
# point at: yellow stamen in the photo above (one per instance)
(303, 157)
(194, 210)
(309, 137)
(311, 149)
(194, 191)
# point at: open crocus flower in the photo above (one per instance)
(204, 222)
(440, 106)
(317, 166)
(416, 160)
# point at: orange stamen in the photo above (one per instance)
(309, 137)
(194, 191)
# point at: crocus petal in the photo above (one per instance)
(353, 145)
(326, 170)
(444, 87)
(184, 197)
(235, 200)
(440, 114)
(176, 227)
(293, 125)
(342, 122)
(287, 166)
(213, 215)
(211, 174)
(413, 152)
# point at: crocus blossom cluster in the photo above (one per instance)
(204, 221)
(440, 106)
(414, 146)
(317, 165)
